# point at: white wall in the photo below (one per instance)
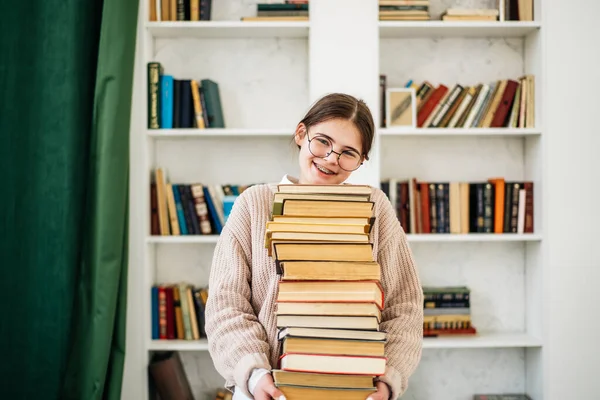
(572, 267)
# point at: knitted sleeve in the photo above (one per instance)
(237, 341)
(402, 316)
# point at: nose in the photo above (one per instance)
(331, 158)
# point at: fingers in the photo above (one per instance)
(382, 392)
(274, 392)
(260, 395)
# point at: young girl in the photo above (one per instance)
(334, 139)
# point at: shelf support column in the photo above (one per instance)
(344, 57)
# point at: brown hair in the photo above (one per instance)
(343, 106)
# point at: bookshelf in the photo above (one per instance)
(252, 62)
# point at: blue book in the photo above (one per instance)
(179, 207)
(154, 312)
(212, 211)
(166, 109)
(228, 202)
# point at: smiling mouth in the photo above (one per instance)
(323, 169)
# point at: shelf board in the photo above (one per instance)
(419, 29)
(184, 239)
(482, 341)
(228, 29)
(179, 345)
(168, 134)
(412, 238)
(435, 132)
(473, 237)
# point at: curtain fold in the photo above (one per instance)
(66, 72)
(95, 366)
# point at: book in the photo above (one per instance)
(322, 380)
(328, 291)
(328, 270)
(334, 364)
(169, 377)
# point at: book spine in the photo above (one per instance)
(528, 207)
(166, 108)
(153, 95)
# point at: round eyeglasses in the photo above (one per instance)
(321, 146)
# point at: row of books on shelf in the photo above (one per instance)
(493, 206)
(505, 103)
(178, 308)
(418, 10)
(169, 380)
(182, 103)
(297, 10)
(180, 10)
(330, 298)
(189, 209)
(178, 311)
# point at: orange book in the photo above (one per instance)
(499, 184)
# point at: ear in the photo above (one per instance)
(300, 134)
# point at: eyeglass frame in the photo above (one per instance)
(333, 151)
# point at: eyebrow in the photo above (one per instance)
(333, 141)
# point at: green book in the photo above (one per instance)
(213, 104)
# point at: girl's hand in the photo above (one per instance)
(382, 393)
(265, 389)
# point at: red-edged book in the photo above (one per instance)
(430, 104)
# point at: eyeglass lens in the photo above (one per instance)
(320, 146)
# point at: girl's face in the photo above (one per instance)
(344, 137)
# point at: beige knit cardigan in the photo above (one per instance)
(240, 312)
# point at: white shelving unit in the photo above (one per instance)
(270, 73)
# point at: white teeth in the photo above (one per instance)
(323, 169)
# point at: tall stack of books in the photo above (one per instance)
(447, 311)
(404, 10)
(472, 14)
(330, 296)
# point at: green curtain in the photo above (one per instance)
(66, 72)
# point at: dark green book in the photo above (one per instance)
(213, 104)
